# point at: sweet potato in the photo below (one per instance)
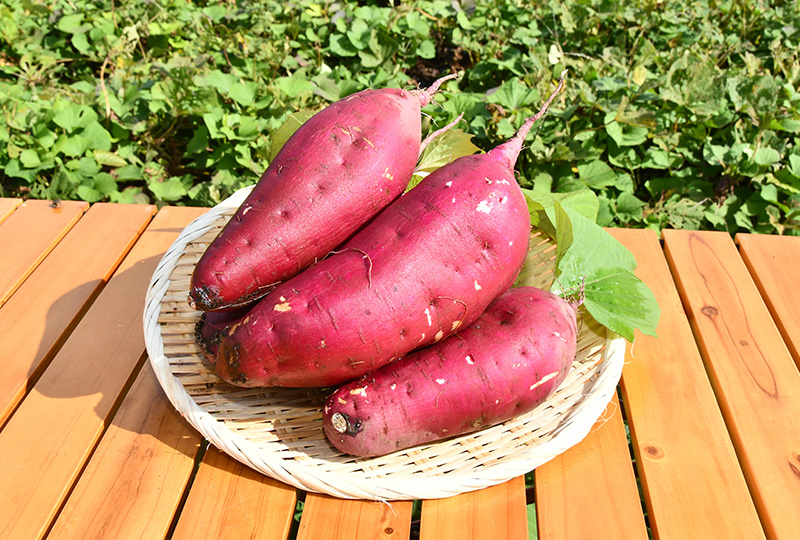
(505, 364)
(428, 264)
(212, 325)
(336, 172)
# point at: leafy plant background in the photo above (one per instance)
(677, 114)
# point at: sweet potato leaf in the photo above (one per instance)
(592, 264)
(443, 149)
(287, 129)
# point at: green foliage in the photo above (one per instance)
(592, 267)
(674, 114)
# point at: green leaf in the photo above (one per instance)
(80, 42)
(790, 125)
(129, 172)
(13, 169)
(443, 149)
(72, 116)
(215, 13)
(603, 268)
(341, 46)
(766, 156)
(359, 33)
(88, 193)
(105, 184)
(98, 137)
(626, 134)
(543, 209)
(629, 207)
(199, 140)
(212, 120)
(29, 158)
(70, 23)
(514, 94)
(286, 130)
(426, 49)
(219, 80)
(597, 174)
(657, 158)
(295, 85)
(75, 146)
(621, 302)
(171, 190)
(111, 159)
(243, 93)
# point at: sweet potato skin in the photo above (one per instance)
(427, 265)
(337, 171)
(504, 364)
(212, 325)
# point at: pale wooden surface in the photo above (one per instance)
(7, 207)
(606, 499)
(233, 502)
(754, 375)
(91, 448)
(137, 475)
(679, 437)
(328, 517)
(30, 233)
(38, 317)
(774, 263)
(494, 512)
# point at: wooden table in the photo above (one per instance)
(90, 446)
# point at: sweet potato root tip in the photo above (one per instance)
(509, 150)
(425, 95)
(431, 136)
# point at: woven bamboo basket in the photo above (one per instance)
(279, 432)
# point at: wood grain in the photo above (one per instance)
(28, 235)
(774, 264)
(7, 207)
(75, 397)
(591, 487)
(134, 482)
(343, 519)
(755, 378)
(230, 501)
(495, 512)
(36, 320)
(691, 478)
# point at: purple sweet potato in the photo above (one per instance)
(504, 364)
(208, 331)
(428, 264)
(339, 169)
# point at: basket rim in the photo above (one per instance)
(574, 427)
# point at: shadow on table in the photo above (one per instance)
(99, 361)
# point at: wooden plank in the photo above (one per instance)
(50, 437)
(136, 478)
(7, 207)
(343, 519)
(230, 501)
(755, 378)
(495, 512)
(692, 482)
(773, 262)
(591, 487)
(35, 321)
(28, 235)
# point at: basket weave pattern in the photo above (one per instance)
(278, 431)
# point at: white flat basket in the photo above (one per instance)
(279, 431)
